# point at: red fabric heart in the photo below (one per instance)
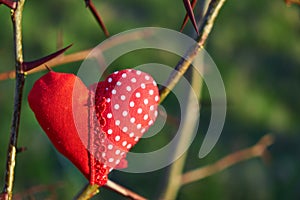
(95, 127)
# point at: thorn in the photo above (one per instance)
(96, 15)
(189, 9)
(186, 17)
(9, 3)
(33, 64)
(21, 149)
(48, 68)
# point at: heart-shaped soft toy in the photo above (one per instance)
(95, 127)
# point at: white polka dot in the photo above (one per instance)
(150, 122)
(143, 130)
(131, 104)
(117, 138)
(109, 115)
(132, 119)
(106, 89)
(133, 80)
(136, 139)
(124, 143)
(117, 152)
(111, 160)
(145, 117)
(117, 122)
(116, 72)
(117, 162)
(151, 92)
(152, 107)
(143, 86)
(124, 113)
(128, 88)
(110, 146)
(109, 131)
(129, 146)
(108, 100)
(138, 72)
(123, 97)
(139, 126)
(131, 134)
(125, 129)
(117, 106)
(114, 91)
(124, 75)
(155, 113)
(146, 101)
(154, 83)
(103, 154)
(119, 83)
(138, 95)
(147, 77)
(129, 70)
(156, 98)
(139, 111)
(122, 153)
(109, 80)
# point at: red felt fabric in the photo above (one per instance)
(51, 101)
(111, 121)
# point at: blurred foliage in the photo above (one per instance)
(256, 46)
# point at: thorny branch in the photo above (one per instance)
(20, 79)
(181, 68)
(78, 56)
(204, 31)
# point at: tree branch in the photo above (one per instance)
(252, 152)
(20, 79)
(87, 192)
(205, 29)
(123, 191)
(91, 190)
(175, 172)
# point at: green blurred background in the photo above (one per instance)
(256, 46)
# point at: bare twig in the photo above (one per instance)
(123, 191)
(252, 152)
(20, 79)
(205, 29)
(91, 190)
(173, 179)
(88, 192)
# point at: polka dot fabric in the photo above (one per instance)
(130, 99)
(112, 117)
